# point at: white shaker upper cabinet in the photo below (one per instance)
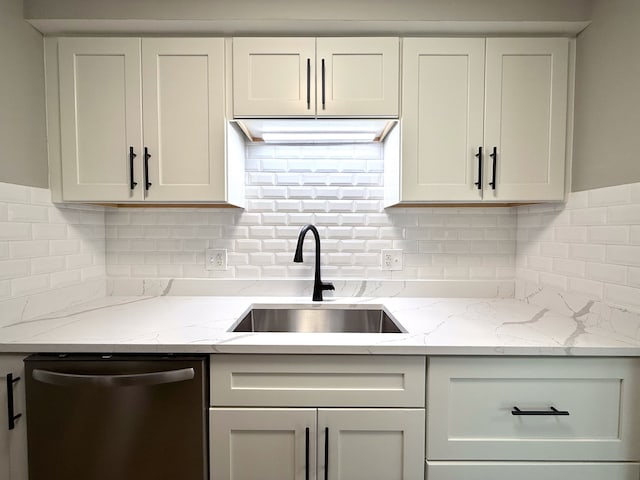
(100, 118)
(183, 111)
(526, 118)
(274, 77)
(110, 87)
(358, 77)
(484, 120)
(443, 107)
(307, 77)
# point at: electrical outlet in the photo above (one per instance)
(391, 259)
(215, 258)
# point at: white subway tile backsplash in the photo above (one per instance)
(47, 264)
(15, 231)
(588, 216)
(28, 249)
(623, 214)
(607, 273)
(618, 195)
(608, 235)
(29, 285)
(597, 255)
(623, 254)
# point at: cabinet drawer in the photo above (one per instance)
(531, 471)
(317, 380)
(471, 404)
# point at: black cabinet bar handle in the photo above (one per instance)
(132, 155)
(479, 157)
(11, 415)
(306, 453)
(323, 88)
(494, 156)
(308, 84)
(147, 156)
(326, 453)
(551, 411)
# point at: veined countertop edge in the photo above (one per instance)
(435, 326)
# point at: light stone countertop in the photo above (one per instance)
(435, 326)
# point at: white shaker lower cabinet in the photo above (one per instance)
(531, 471)
(262, 444)
(484, 413)
(285, 444)
(371, 444)
(13, 436)
(350, 436)
(484, 120)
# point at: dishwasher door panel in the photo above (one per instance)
(117, 418)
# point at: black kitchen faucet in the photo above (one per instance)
(318, 286)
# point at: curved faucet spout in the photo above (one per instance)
(318, 285)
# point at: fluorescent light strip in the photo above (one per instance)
(317, 137)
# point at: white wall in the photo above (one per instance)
(23, 155)
(607, 104)
(496, 10)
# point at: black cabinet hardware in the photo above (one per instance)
(11, 415)
(326, 453)
(323, 87)
(494, 156)
(479, 157)
(551, 411)
(147, 156)
(132, 155)
(308, 84)
(306, 453)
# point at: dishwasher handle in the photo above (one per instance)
(132, 380)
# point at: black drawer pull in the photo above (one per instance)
(308, 84)
(552, 411)
(147, 156)
(494, 157)
(132, 155)
(326, 453)
(479, 157)
(306, 453)
(12, 416)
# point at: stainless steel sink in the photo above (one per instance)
(325, 320)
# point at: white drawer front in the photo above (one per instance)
(471, 404)
(531, 471)
(317, 380)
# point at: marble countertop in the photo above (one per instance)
(435, 326)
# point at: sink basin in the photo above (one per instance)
(326, 320)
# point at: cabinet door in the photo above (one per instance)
(371, 444)
(531, 471)
(13, 443)
(274, 77)
(262, 444)
(358, 76)
(100, 118)
(183, 99)
(442, 105)
(526, 117)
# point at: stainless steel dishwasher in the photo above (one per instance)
(105, 417)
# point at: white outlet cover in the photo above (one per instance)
(215, 259)
(391, 259)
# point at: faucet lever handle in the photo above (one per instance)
(328, 286)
